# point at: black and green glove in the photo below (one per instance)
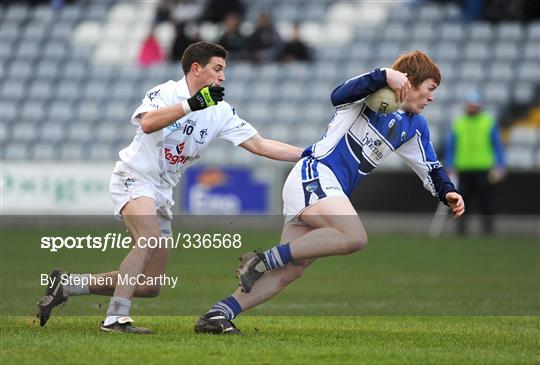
(205, 97)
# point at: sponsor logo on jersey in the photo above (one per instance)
(174, 126)
(312, 187)
(368, 142)
(403, 136)
(177, 125)
(241, 125)
(152, 94)
(180, 148)
(177, 158)
(203, 133)
(127, 182)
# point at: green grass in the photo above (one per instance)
(280, 340)
(403, 300)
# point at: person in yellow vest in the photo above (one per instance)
(475, 155)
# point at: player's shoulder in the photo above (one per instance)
(166, 88)
(225, 109)
(420, 122)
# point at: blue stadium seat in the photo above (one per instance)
(15, 151)
(422, 31)
(62, 31)
(33, 111)
(53, 132)
(520, 157)
(61, 111)
(423, 46)
(101, 151)
(510, 32)
(35, 32)
(452, 31)
(41, 91)
(17, 12)
(89, 112)
(506, 51)
(531, 51)
(106, 132)
(48, 70)
(44, 151)
(533, 31)
(68, 90)
(501, 71)
(43, 13)
(29, 51)
(96, 90)
(473, 71)
(117, 111)
(123, 91)
(497, 92)
(71, 152)
(529, 71)
(25, 132)
(55, 50)
(13, 90)
(9, 113)
(480, 31)
(80, 131)
(447, 51)
(430, 13)
(74, 71)
(478, 51)
(523, 92)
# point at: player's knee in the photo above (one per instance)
(354, 243)
(148, 291)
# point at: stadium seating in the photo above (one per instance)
(70, 84)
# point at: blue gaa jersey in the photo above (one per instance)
(358, 139)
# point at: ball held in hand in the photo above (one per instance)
(383, 101)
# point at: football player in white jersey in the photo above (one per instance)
(175, 123)
(319, 217)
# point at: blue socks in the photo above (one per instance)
(228, 308)
(278, 256)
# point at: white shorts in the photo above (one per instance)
(308, 183)
(126, 185)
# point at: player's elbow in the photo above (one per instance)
(146, 125)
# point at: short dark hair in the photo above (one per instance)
(201, 52)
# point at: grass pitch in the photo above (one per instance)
(403, 300)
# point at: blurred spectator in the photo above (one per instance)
(187, 11)
(151, 52)
(216, 11)
(265, 44)
(295, 49)
(180, 42)
(164, 11)
(232, 39)
(475, 152)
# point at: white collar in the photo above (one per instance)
(183, 89)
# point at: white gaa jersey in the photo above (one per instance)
(163, 156)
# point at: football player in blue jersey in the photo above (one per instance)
(319, 217)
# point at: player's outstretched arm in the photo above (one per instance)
(160, 118)
(272, 149)
(456, 203)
